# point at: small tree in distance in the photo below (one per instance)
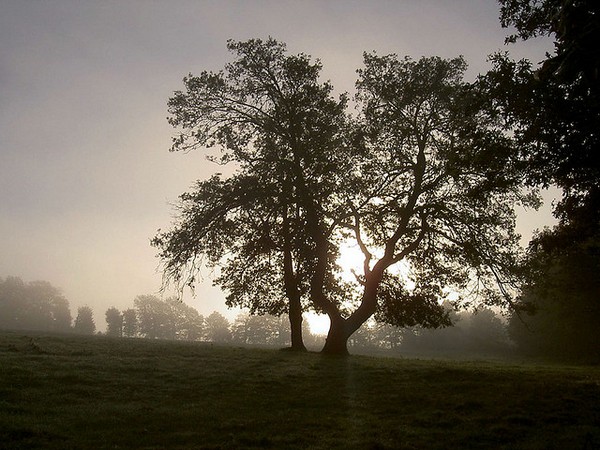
(84, 322)
(168, 318)
(130, 323)
(114, 322)
(217, 328)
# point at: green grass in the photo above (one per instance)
(95, 392)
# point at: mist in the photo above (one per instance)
(381, 295)
(86, 175)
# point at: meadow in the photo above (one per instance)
(75, 392)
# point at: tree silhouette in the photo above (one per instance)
(84, 322)
(270, 115)
(114, 322)
(35, 306)
(423, 176)
(130, 323)
(217, 328)
(554, 112)
(436, 192)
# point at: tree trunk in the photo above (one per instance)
(293, 294)
(337, 338)
(295, 315)
(341, 329)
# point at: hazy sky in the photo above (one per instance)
(86, 177)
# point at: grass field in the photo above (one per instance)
(68, 392)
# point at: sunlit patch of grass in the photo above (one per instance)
(97, 392)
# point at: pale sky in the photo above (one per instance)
(86, 177)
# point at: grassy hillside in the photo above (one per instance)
(96, 392)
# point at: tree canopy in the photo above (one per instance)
(555, 109)
(438, 186)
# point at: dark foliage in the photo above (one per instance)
(561, 303)
(554, 111)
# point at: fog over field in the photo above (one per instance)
(86, 178)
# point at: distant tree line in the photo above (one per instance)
(478, 333)
(154, 318)
(38, 305)
(481, 333)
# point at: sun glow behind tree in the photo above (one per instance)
(351, 261)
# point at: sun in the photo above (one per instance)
(319, 323)
(351, 261)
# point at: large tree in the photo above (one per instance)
(283, 130)
(554, 111)
(435, 194)
(423, 178)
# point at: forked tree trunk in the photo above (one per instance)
(337, 338)
(341, 329)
